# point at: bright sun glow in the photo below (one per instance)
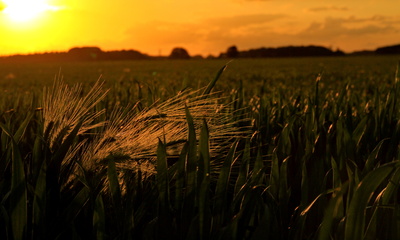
(26, 10)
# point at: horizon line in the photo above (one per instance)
(203, 55)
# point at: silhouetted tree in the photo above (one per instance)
(85, 53)
(395, 49)
(232, 52)
(179, 53)
(123, 55)
(290, 51)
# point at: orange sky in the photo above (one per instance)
(201, 26)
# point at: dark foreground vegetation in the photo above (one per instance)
(285, 163)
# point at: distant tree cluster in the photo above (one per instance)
(395, 49)
(232, 52)
(179, 53)
(290, 51)
(78, 54)
(96, 54)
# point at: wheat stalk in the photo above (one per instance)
(64, 108)
(132, 135)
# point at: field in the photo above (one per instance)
(296, 148)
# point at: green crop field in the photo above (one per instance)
(289, 148)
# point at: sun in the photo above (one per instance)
(25, 10)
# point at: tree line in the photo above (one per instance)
(96, 54)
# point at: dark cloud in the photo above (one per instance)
(376, 18)
(244, 20)
(350, 33)
(328, 8)
(336, 27)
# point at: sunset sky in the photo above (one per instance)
(201, 26)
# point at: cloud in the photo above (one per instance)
(351, 33)
(214, 35)
(258, 0)
(336, 27)
(244, 20)
(328, 8)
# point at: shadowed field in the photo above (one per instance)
(302, 148)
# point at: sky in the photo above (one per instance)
(203, 27)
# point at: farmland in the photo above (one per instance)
(289, 148)
(199, 72)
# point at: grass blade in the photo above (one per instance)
(114, 183)
(18, 193)
(192, 153)
(369, 164)
(355, 223)
(162, 176)
(180, 177)
(22, 128)
(221, 191)
(99, 218)
(39, 202)
(244, 168)
(204, 180)
(332, 213)
(214, 81)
